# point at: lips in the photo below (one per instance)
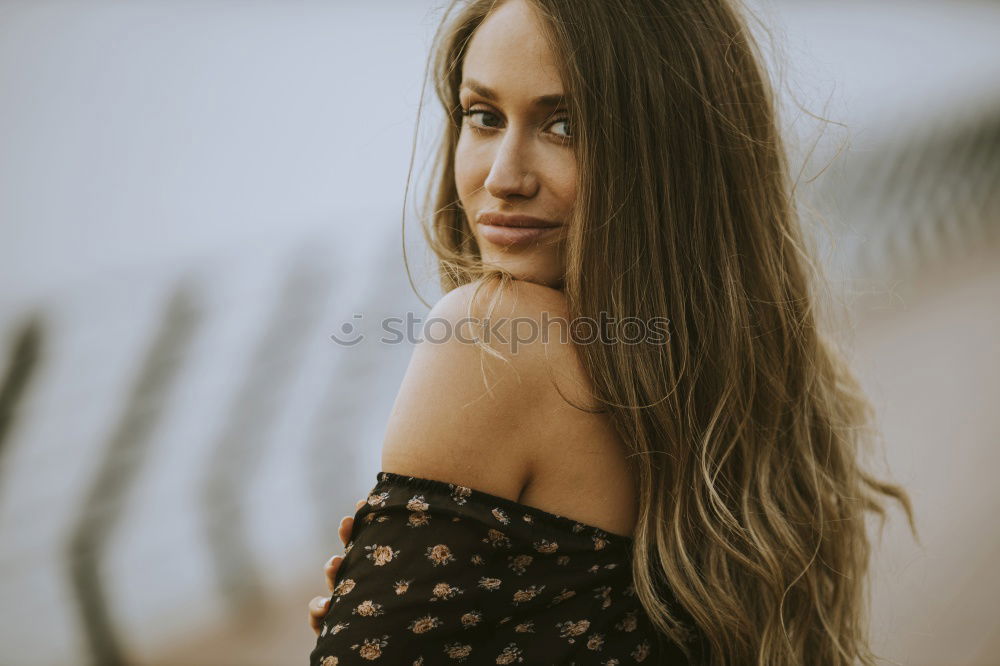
(518, 221)
(514, 236)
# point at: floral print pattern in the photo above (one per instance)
(437, 573)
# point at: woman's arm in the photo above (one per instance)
(319, 606)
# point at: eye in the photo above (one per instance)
(468, 113)
(565, 122)
(485, 127)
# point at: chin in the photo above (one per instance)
(539, 270)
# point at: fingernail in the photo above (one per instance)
(329, 562)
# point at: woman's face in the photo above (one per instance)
(514, 156)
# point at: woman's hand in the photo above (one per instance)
(319, 606)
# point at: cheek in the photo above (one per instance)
(564, 185)
(468, 176)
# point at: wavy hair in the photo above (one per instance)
(746, 433)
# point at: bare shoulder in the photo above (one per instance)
(527, 323)
(479, 417)
(518, 298)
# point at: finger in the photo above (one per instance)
(360, 503)
(331, 569)
(317, 611)
(346, 527)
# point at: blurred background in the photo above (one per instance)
(195, 195)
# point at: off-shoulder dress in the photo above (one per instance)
(438, 573)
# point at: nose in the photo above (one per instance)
(510, 176)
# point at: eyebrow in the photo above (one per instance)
(545, 101)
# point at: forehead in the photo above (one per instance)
(509, 54)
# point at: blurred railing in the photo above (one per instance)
(172, 450)
(920, 197)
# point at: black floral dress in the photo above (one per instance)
(437, 573)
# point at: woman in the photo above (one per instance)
(722, 468)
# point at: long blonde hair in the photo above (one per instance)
(746, 432)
